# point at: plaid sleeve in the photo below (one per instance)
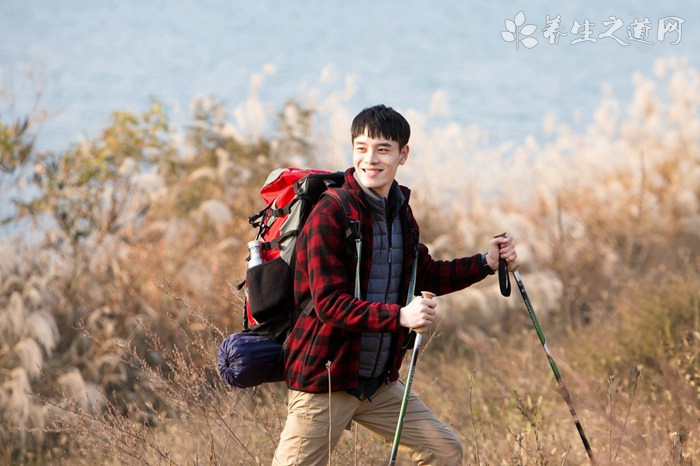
(442, 277)
(326, 273)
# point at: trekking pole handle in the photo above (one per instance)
(424, 295)
(513, 266)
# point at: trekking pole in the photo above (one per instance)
(407, 390)
(503, 270)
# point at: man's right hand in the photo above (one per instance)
(419, 314)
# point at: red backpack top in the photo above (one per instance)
(290, 194)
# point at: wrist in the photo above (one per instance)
(485, 266)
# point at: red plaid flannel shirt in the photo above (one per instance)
(325, 273)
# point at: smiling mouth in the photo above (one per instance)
(372, 171)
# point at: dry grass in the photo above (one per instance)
(116, 298)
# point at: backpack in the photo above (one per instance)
(255, 355)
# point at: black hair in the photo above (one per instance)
(381, 121)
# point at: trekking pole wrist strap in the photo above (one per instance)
(503, 277)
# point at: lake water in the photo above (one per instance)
(446, 59)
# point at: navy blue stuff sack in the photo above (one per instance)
(247, 359)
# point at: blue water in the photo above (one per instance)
(99, 56)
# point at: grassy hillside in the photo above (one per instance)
(120, 257)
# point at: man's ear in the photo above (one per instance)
(404, 154)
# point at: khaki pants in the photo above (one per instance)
(304, 440)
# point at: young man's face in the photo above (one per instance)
(376, 161)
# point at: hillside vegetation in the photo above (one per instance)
(120, 256)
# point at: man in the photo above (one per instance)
(343, 357)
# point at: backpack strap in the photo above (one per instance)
(353, 237)
(352, 230)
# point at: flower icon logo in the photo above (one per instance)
(517, 31)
